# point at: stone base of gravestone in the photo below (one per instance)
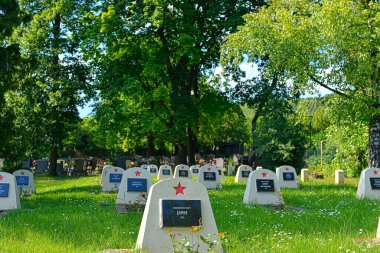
(339, 177)
(122, 208)
(304, 175)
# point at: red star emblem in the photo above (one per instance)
(179, 189)
(208, 169)
(287, 169)
(138, 173)
(375, 172)
(264, 174)
(115, 170)
(1, 178)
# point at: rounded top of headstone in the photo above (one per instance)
(23, 172)
(181, 166)
(286, 168)
(152, 166)
(165, 166)
(6, 177)
(244, 167)
(263, 173)
(179, 188)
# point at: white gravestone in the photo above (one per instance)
(339, 177)
(144, 166)
(134, 187)
(242, 173)
(112, 178)
(182, 170)
(9, 197)
(304, 175)
(209, 177)
(153, 170)
(230, 170)
(174, 206)
(165, 172)
(25, 182)
(259, 168)
(195, 170)
(287, 177)
(263, 189)
(104, 172)
(369, 184)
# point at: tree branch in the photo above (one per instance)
(326, 86)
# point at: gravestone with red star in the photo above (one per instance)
(9, 196)
(263, 189)
(174, 207)
(209, 177)
(25, 182)
(134, 187)
(165, 172)
(369, 184)
(153, 170)
(111, 178)
(242, 173)
(287, 177)
(195, 170)
(182, 170)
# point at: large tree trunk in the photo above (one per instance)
(374, 142)
(181, 153)
(53, 160)
(191, 145)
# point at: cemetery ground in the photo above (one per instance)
(73, 215)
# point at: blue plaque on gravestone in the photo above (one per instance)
(166, 171)
(153, 170)
(115, 178)
(181, 213)
(183, 173)
(288, 176)
(195, 171)
(209, 176)
(375, 183)
(4, 190)
(265, 185)
(22, 180)
(245, 173)
(136, 185)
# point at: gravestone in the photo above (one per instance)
(369, 184)
(259, 168)
(287, 177)
(339, 177)
(111, 178)
(104, 172)
(230, 170)
(195, 170)
(9, 196)
(173, 207)
(220, 172)
(182, 170)
(134, 187)
(144, 166)
(164, 172)
(25, 164)
(209, 177)
(263, 189)
(219, 162)
(78, 168)
(304, 175)
(122, 162)
(153, 170)
(42, 165)
(242, 173)
(25, 182)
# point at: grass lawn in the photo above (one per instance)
(73, 215)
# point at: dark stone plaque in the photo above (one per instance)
(115, 178)
(153, 170)
(288, 176)
(22, 180)
(195, 171)
(166, 171)
(136, 185)
(220, 172)
(265, 185)
(375, 183)
(4, 190)
(183, 173)
(209, 176)
(245, 173)
(181, 213)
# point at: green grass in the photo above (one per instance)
(73, 215)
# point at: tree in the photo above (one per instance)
(333, 44)
(171, 44)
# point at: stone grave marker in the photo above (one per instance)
(182, 170)
(369, 184)
(259, 168)
(25, 182)
(230, 170)
(287, 177)
(304, 175)
(133, 188)
(339, 177)
(111, 178)
(104, 172)
(219, 162)
(175, 206)
(9, 196)
(194, 170)
(78, 167)
(153, 170)
(25, 164)
(242, 173)
(144, 166)
(209, 177)
(165, 172)
(42, 165)
(263, 189)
